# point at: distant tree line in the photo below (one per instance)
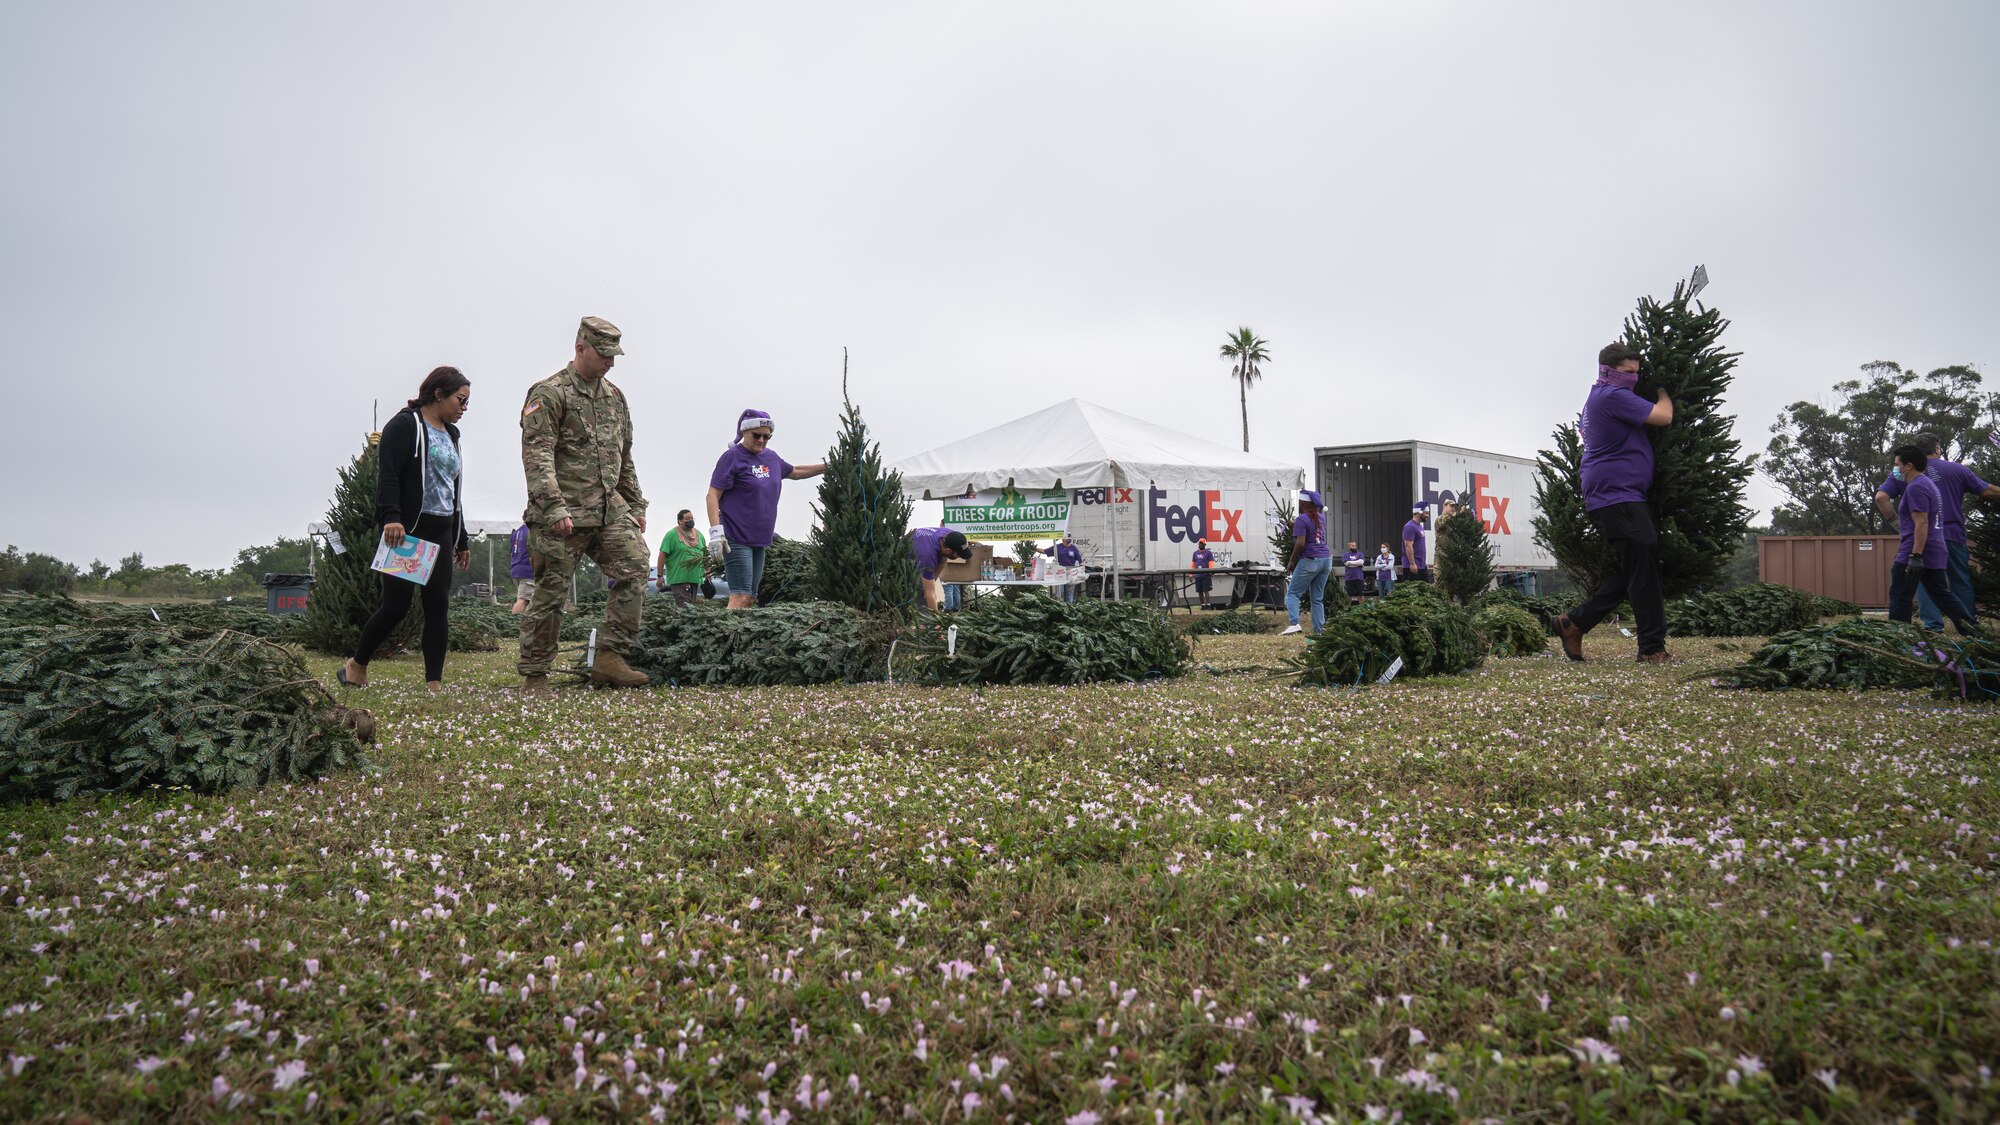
(37, 573)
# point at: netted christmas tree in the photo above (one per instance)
(1464, 556)
(345, 590)
(861, 538)
(1698, 473)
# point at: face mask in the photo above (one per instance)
(687, 523)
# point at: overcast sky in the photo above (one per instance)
(225, 229)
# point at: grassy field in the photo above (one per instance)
(1540, 892)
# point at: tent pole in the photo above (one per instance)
(1111, 493)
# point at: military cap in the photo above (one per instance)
(601, 335)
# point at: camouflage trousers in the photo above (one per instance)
(620, 552)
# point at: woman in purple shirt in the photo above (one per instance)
(743, 504)
(1312, 564)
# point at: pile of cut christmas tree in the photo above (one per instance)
(108, 699)
(1416, 631)
(1872, 654)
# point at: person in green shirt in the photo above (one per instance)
(683, 560)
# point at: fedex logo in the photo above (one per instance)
(1207, 520)
(1101, 496)
(1491, 509)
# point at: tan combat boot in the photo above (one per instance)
(536, 687)
(610, 668)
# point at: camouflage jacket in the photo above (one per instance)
(576, 445)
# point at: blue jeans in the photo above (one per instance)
(744, 568)
(1069, 593)
(1957, 575)
(953, 595)
(1385, 581)
(1308, 577)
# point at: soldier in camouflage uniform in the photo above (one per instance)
(583, 499)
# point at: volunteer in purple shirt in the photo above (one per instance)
(1067, 553)
(1920, 558)
(1617, 474)
(932, 547)
(1415, 564)
(743, 504)
(1354, 561)
(1312, 564)
(1953, 481)
(521, 569)
(1202, 561)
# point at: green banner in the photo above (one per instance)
(1005, 515)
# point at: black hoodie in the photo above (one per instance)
(405, 462)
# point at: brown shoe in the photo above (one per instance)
(610, 668)
(1571, 637)
(536, 687)
(1656, 658)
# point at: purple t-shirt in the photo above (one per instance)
(927, 547)
(1953, 481)
(1314, 533)
(1202, 559)
(1617, 454)
(1354, 561)
(1414, 532)
(521, 566)
(749, 483)
(1067, 554)
(1921, 495)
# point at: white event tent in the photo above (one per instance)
(1076, 444)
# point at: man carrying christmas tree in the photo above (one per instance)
(1617, 476)
(583, 499)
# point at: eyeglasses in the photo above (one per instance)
(758, 436)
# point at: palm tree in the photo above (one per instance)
(1248, 351)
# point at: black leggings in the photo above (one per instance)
(396, 594)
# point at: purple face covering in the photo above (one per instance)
(1612, 377)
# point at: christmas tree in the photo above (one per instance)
(1281, 531)
(1464, 556)
(345, 589)
(861, 538)
(1698, 473)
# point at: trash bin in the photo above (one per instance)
(286, 593)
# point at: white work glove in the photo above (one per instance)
(718, 543)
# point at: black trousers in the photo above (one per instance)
(1631, 529)
(396, 595)
(1903, 594)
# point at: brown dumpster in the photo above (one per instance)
(1853, 568)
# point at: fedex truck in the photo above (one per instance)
(1369, 490)
(1158, 528)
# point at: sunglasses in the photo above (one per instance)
(757, 436)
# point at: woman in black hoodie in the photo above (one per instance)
(417, 494)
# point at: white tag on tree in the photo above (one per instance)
(1624, 632)
(951, 641)
(1395, 666)
(334, 544)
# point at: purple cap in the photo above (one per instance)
(1308, 496)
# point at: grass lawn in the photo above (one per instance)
(1542, 891)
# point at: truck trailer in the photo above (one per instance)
(1369, 490)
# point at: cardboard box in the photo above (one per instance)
(967, 570)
